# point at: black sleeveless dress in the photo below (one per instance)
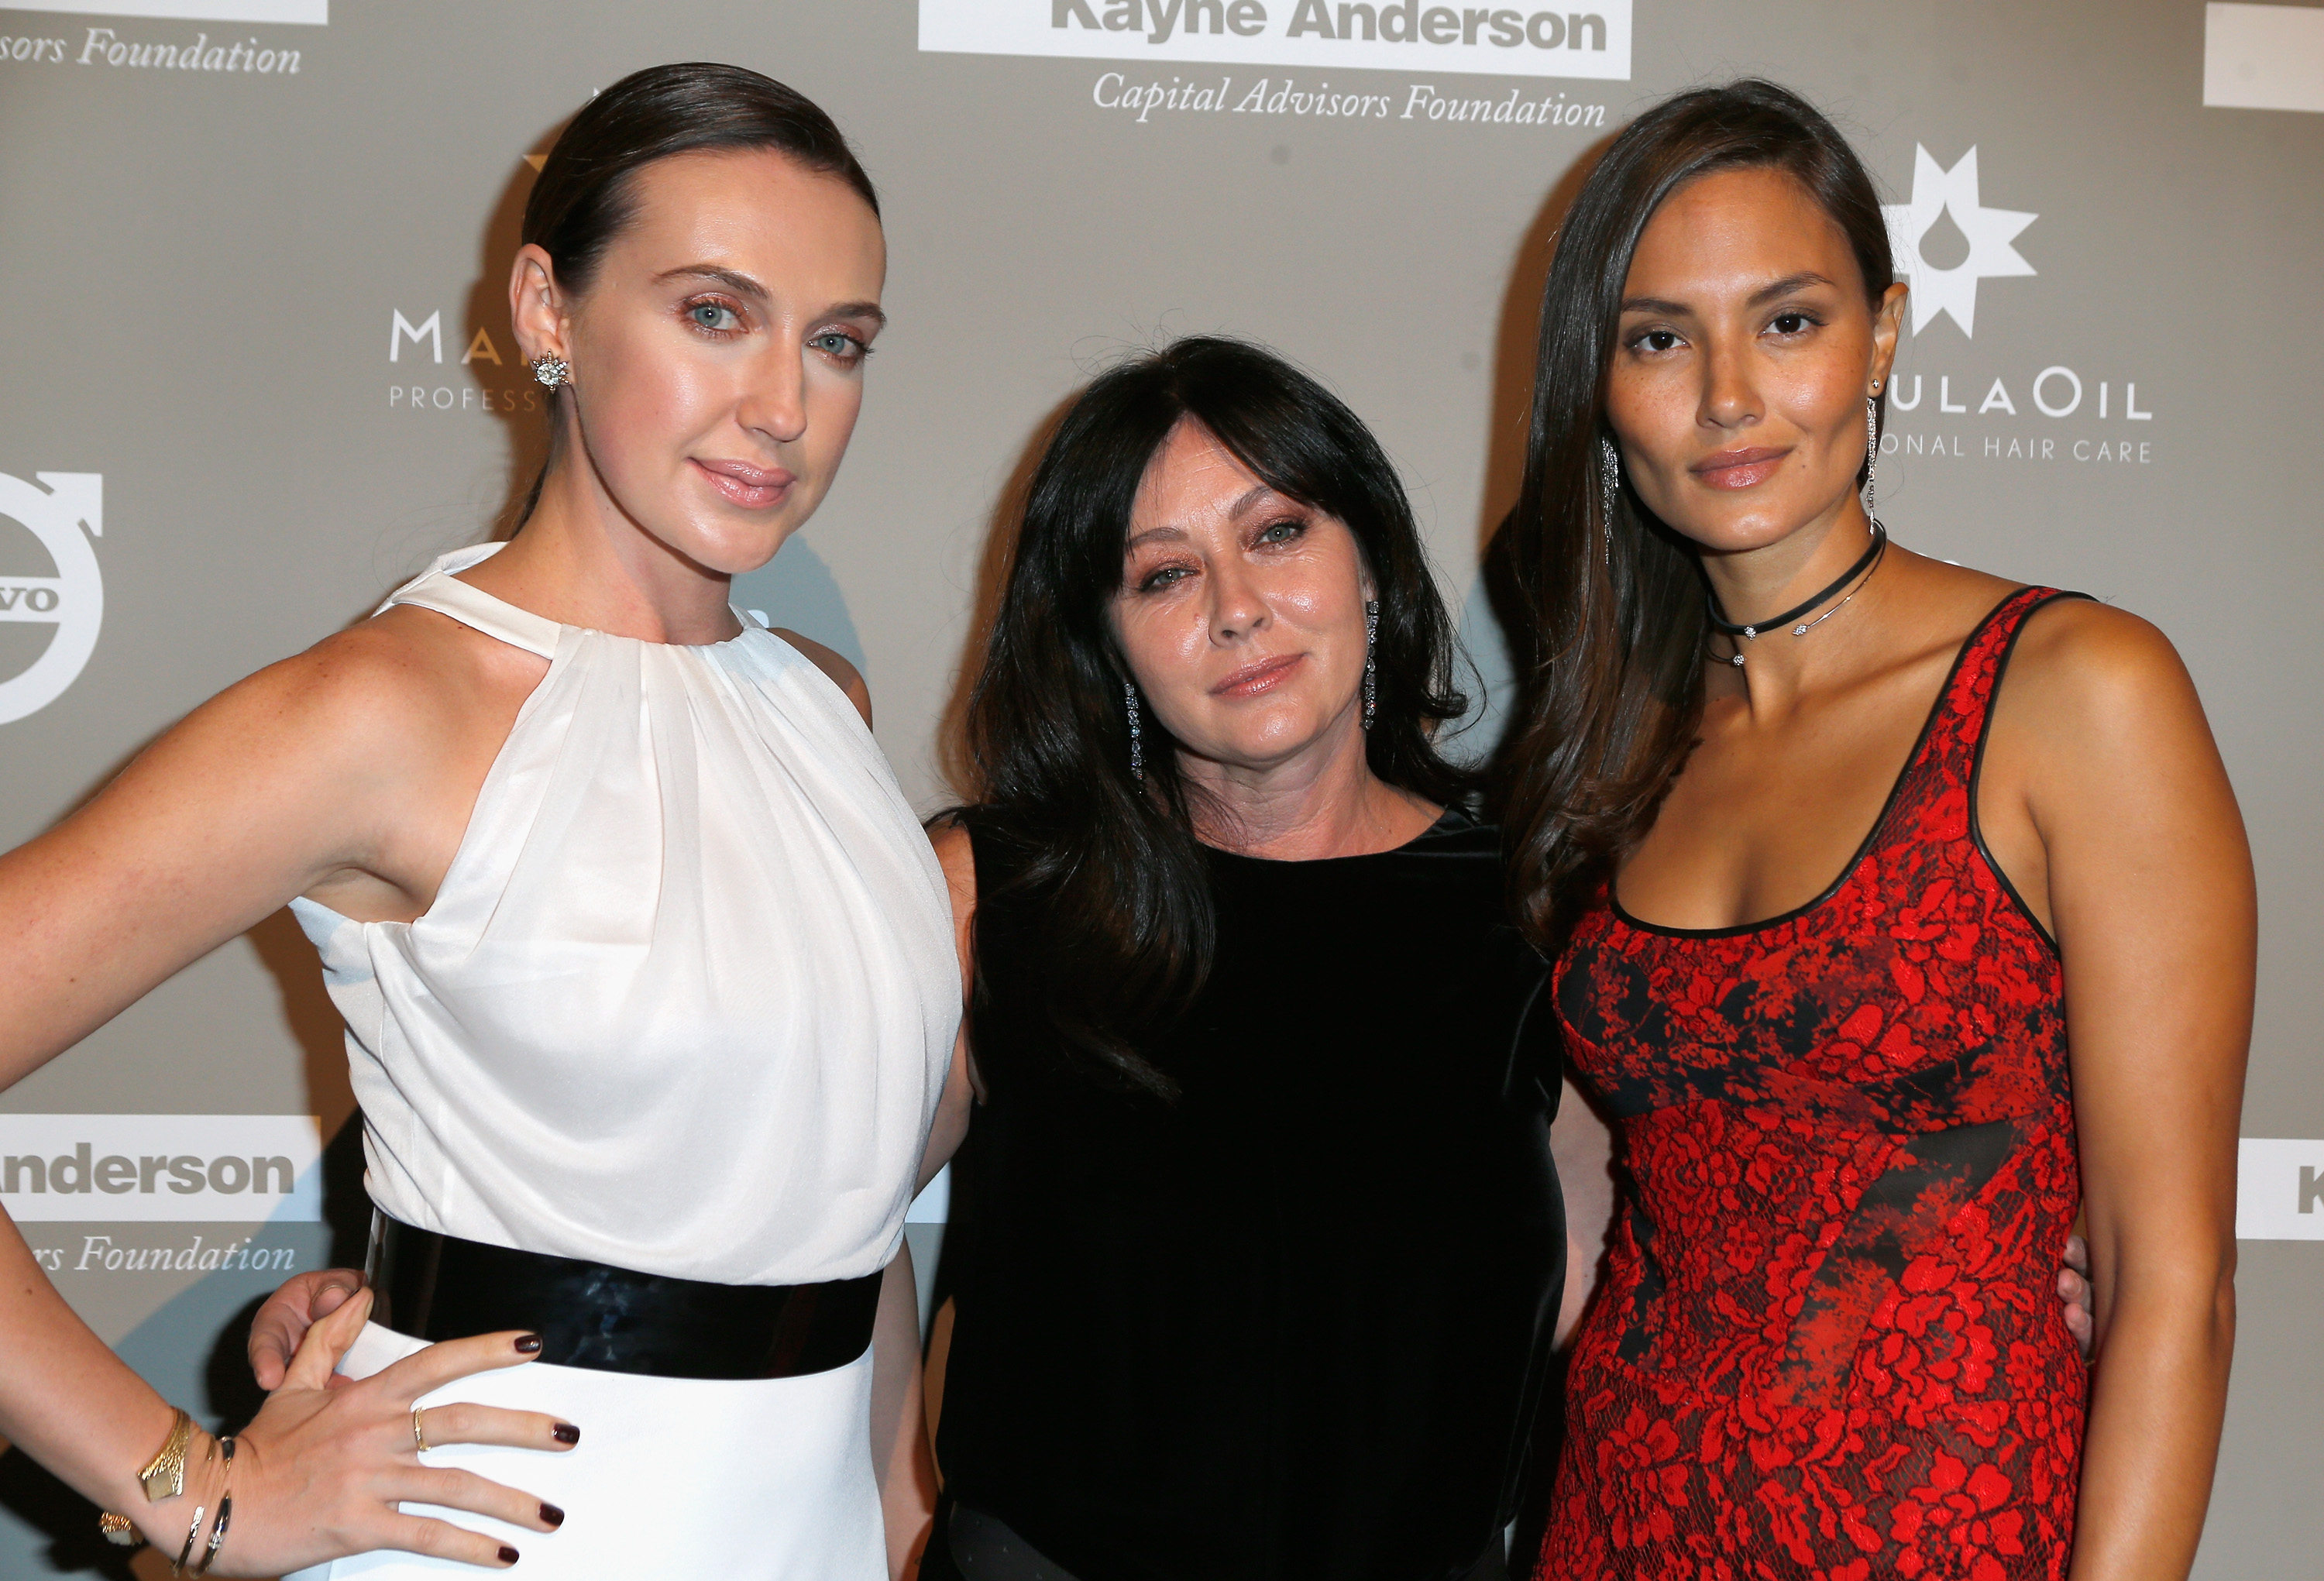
(1293, 1323)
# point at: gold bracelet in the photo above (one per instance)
(225, 1511)
(167, 1468)
(166, 1471)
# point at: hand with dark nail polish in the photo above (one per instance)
(529, 1344)
(551, 1514)
(564, 1432)
(508, 1555)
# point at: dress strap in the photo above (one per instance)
(1952, 742)
(438, 589)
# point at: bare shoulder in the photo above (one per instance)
(844, 675)
(2081, 667)
(408, 678)
(956, 854)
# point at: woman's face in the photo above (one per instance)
(1240, 612)
(717, 355)
(1744, 354)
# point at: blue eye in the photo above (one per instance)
(712, 316)
(839, 346)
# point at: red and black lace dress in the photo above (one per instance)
(1828, 1344)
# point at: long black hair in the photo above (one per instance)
(1619, 623)
(1104, 871)
(587, 192)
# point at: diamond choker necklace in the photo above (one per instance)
(1866, 563)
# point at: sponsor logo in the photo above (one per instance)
(1390, 35)
(1269, 96)
(2279, 1190)
(2040, 409)
(415, 343)
(197, 1168)
(1937, 193)
(106, 1254)
(109, 46)
(72, 601)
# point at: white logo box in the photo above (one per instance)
(306, 12)
(2279, 1190)
(162, 1168)
(1587, 38)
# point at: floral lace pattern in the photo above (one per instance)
(1827, 1346)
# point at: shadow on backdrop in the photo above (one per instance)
(1493, 625)
(952, 760)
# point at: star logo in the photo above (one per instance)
(1937, 191)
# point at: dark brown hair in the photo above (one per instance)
(587, 192)
(1614, 688)
(1105, 879)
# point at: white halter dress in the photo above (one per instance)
(684, 1003)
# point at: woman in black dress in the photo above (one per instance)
(1257, 1243)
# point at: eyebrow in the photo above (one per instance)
(1241, 506)
(1766, 293)
(743, 285)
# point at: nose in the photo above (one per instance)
(774, 400)
(1237, 608)
(1729, 398)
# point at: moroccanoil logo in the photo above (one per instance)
(129, 1168)
(1589, 39)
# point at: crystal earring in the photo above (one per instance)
(1136, 738)
(1871, 449)
(1371, 668)
(551, 371)
(1610, 485)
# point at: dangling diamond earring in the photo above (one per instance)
(1371, 668)
(1871, 446)
(1137, 740)
(551, 371)
(1610, 484)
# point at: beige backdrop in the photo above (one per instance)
(254, 261)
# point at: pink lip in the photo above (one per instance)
(1252, 680)
(754, 488)
(1739, 469)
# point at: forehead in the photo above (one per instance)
(1192, 476)
(1738, 229)
(752, 207)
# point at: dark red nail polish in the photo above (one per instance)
(508, 1555)
(564, 1432)
(529, 1344)
(552, 1514)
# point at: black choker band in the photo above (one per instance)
(611, 1319)
(1720, 622)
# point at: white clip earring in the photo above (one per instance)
(551, 371)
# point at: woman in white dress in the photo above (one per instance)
(646, 965)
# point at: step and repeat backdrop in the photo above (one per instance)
(258, 369)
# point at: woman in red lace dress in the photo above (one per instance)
(1838, 841)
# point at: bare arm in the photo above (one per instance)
(900, 1424)
(2103, 751)
(1584, 1149)
(287, 783)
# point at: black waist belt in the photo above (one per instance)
(435, 1287)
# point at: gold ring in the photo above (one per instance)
(419, 1433)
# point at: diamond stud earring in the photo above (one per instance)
(551, 371)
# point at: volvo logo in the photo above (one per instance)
(72, 601)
